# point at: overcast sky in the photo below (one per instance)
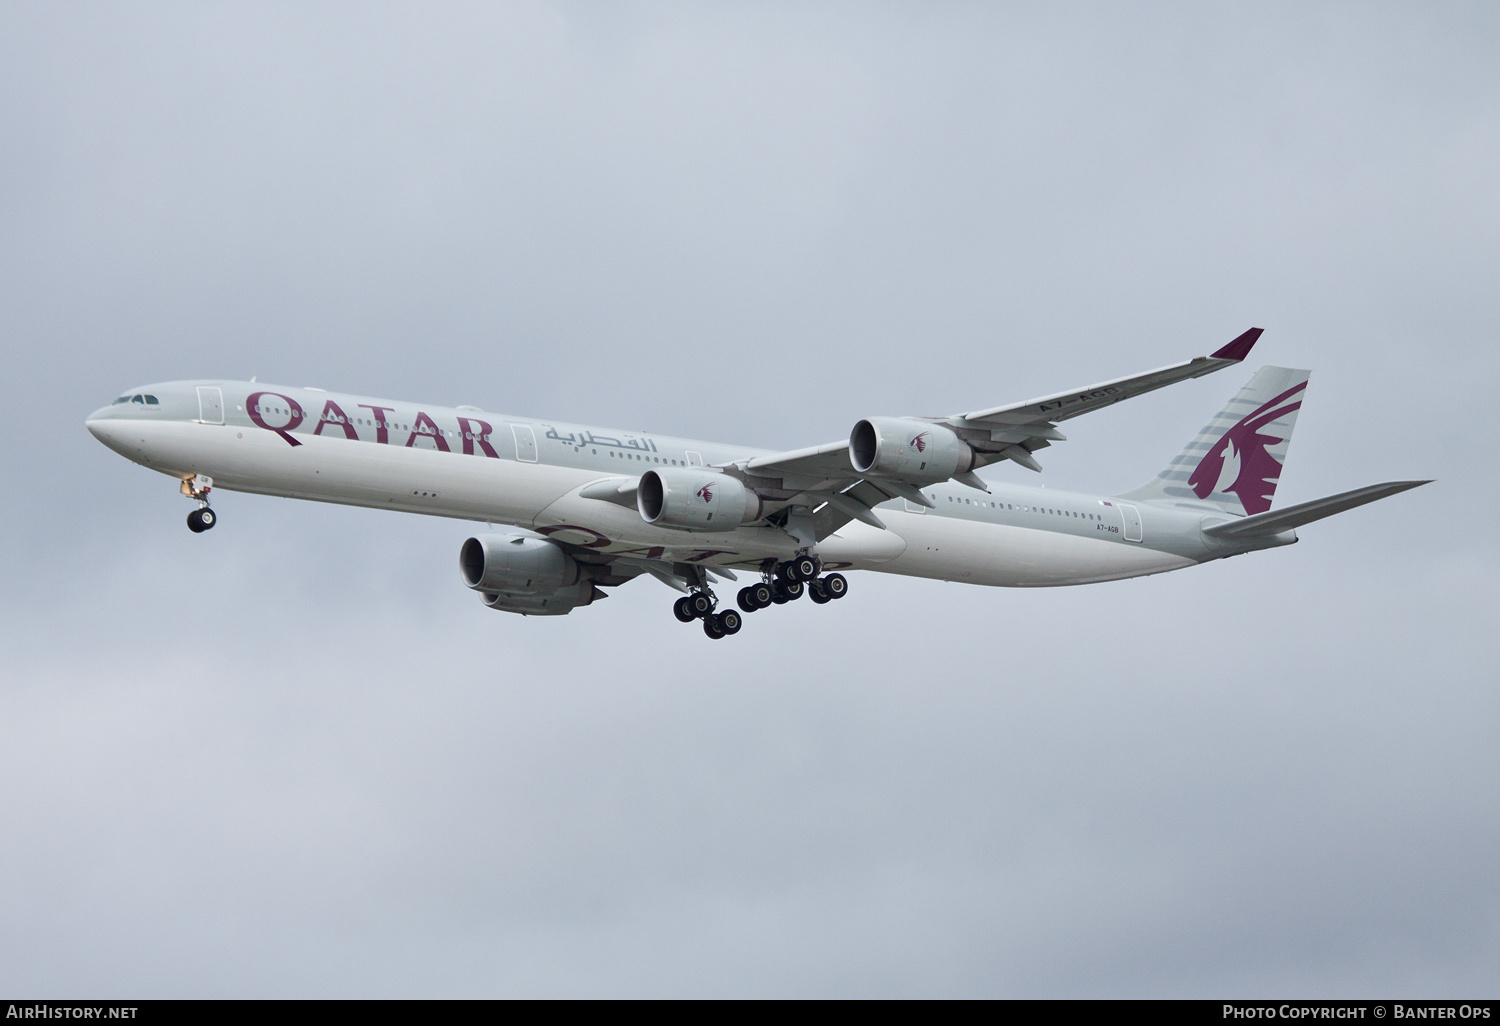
(295, 757)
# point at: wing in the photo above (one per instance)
(824, 476)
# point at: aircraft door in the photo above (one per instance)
(210, 405)
(694, 460)
(1132, 516)
(525, 442)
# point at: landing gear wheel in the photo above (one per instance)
(746, 600)
(761, 595)
(804, 568)
(786, 572)
(792, 591)
(729, 621)
(817, 594)
(200, 520)
(711, 627)
(700, 604)
(681, 611)
(835, 586)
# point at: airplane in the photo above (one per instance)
(582, 509)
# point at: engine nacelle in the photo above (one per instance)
(560, 602)
(908, 449)
(516, 565)
(695, 500)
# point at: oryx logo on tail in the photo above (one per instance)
(1241, 462)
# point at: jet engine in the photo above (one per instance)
(908, 449)
(516, 565)
(695, 500)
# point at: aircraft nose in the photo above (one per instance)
(100, 424)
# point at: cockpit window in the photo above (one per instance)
(138, 399)
(122, 399)
(151, 400)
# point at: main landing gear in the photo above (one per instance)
(782, 583)
(201, 519)
(700, 606)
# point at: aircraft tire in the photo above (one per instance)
(681, 611)
(805, 568)
(816, 593)
(746, 600)
(835, 586)
(711, 627)
(195, 522)
(730, 622)
(700, 604)
(762, 595)
(794, 590)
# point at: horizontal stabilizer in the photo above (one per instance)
(1275, 522)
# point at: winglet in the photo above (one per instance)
(1240, 347)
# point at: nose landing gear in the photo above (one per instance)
(200, 520)
(197, 487)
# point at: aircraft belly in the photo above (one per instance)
(1004, 555)
(858, 546)
(337, 469)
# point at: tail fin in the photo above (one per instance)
(1235, 461)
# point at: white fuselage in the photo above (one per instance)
(472, 465)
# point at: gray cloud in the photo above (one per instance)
(294, 757)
